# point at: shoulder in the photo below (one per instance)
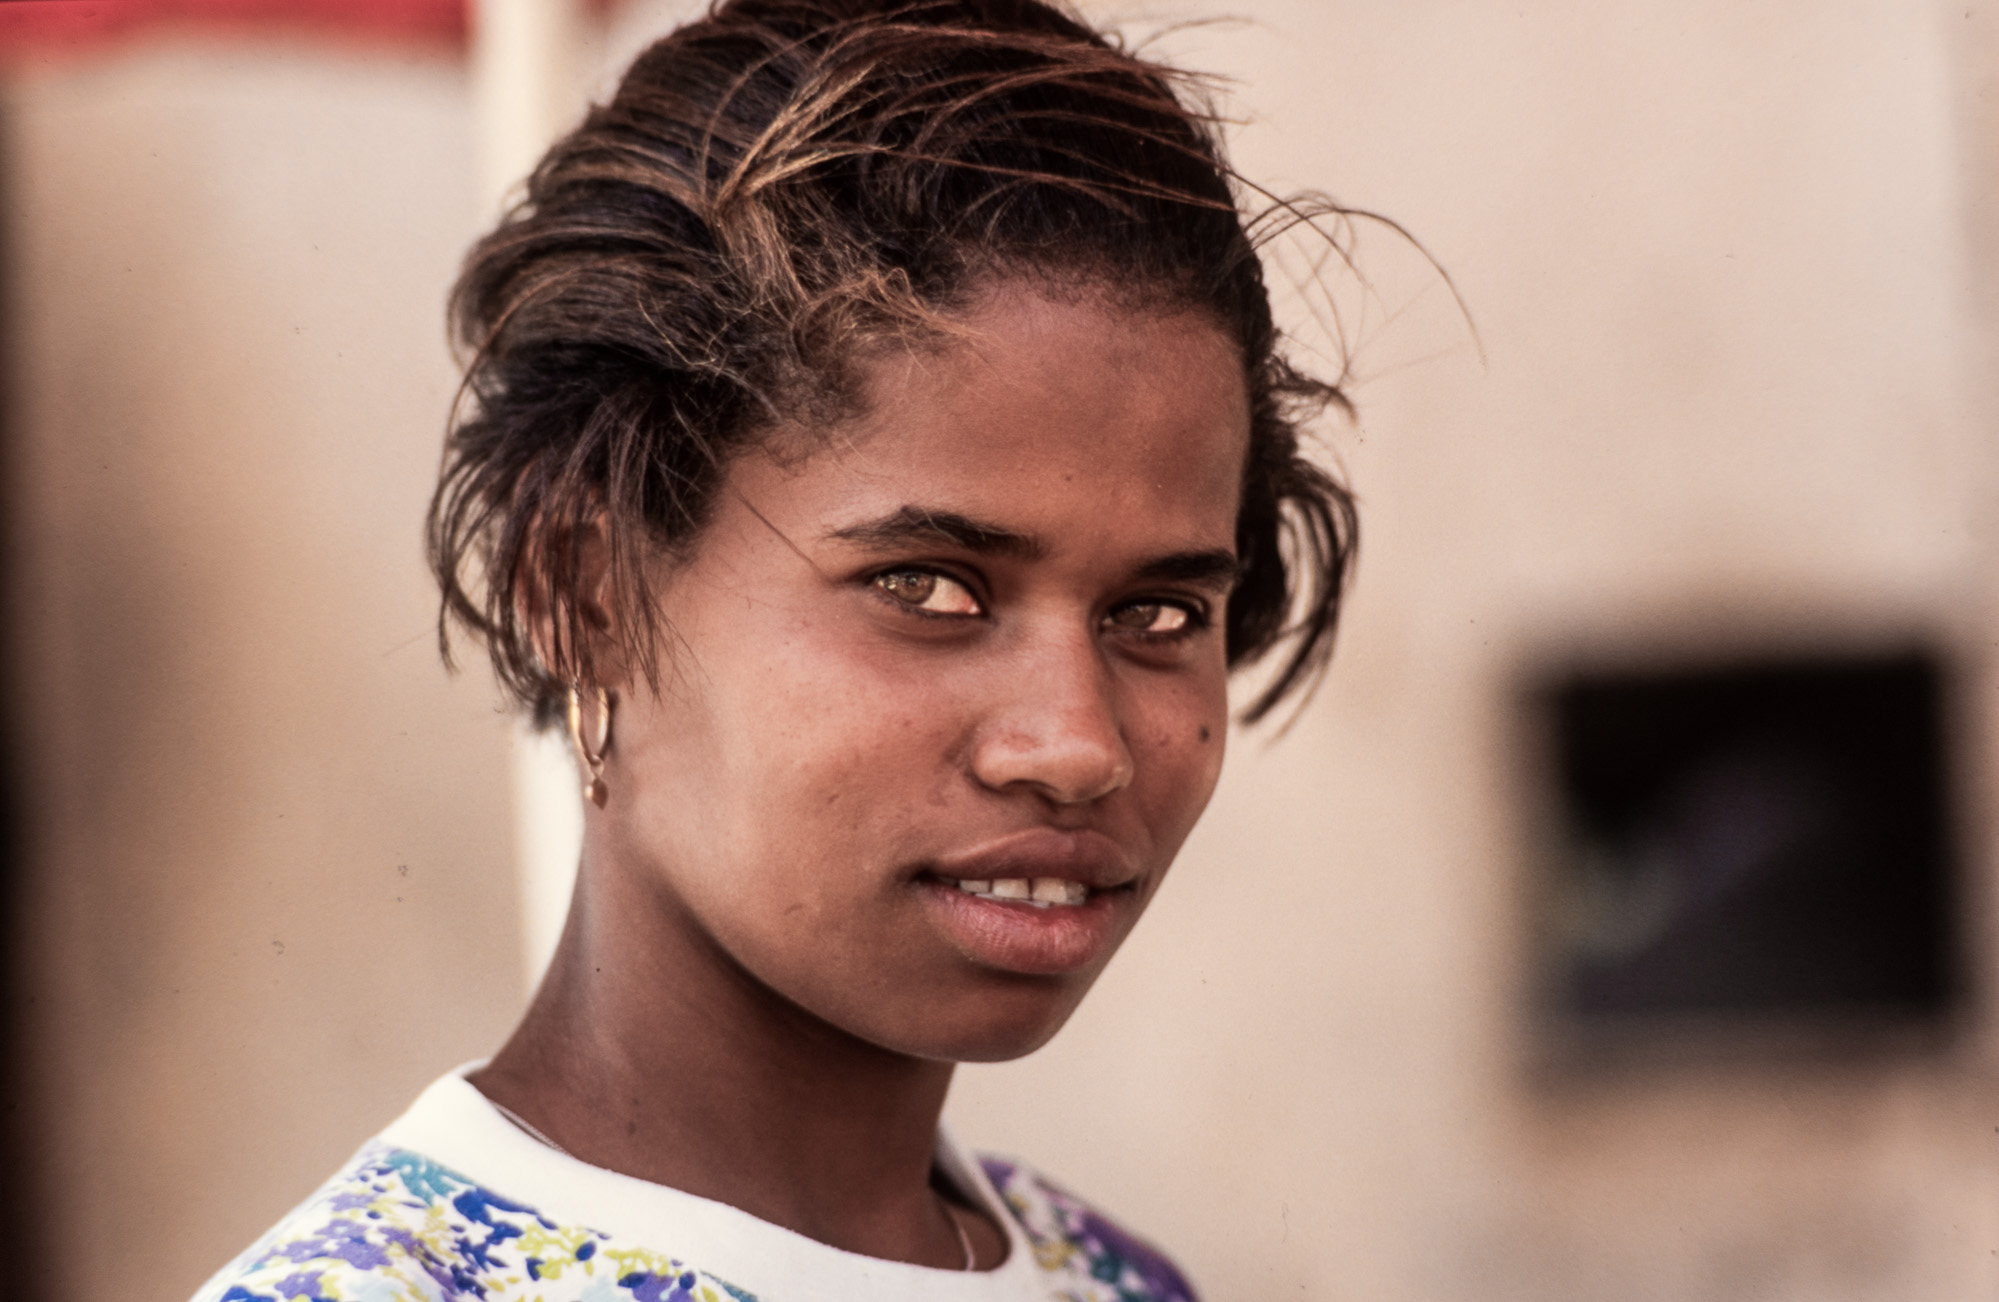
(394, 1226)
(1071, 1236)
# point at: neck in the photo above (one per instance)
(674, 1065)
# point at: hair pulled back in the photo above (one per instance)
(773, 192)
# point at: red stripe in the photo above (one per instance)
(50, 26)
(46, 27)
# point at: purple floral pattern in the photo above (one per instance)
(1106, 1262)
(397, 1227)
(394, 1226)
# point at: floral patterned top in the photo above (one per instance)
(454, 1202)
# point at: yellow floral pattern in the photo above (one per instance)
(394, 1226)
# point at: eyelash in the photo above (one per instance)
(1196, 612)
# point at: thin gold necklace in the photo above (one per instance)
(943, 1203)
(964, 1239)
(524, 1124)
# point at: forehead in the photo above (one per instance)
(1049, 414)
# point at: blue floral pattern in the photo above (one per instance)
(1072, 1238)
(394, 1226)
(397, 1227)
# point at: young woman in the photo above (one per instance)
(877, 453)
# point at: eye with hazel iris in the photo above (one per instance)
(1156, 617)
(929, 592)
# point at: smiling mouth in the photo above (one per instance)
(1041, 892)
(1039, 926)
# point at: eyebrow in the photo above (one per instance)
(1214, 567)
(914, 524)
(1217, 568)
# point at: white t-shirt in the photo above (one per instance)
(455, 1201)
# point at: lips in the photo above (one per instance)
(1041, 902)
(1086, 857)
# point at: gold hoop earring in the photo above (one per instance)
(594, 789)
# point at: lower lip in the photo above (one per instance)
(1016, 936)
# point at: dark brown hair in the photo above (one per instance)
(776, 190)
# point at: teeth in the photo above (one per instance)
(1038, 891)
(1054, 890)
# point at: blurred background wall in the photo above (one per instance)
(265, 888)
(1732, 395)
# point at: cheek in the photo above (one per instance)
(1181, 738)
(827, 747)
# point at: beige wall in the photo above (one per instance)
(1732, 269)
(1736, 391)
(274, 893)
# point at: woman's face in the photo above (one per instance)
(969, 649)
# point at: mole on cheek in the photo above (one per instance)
(1205, 734)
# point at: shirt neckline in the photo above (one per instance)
(453, 1124)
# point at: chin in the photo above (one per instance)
(991, 1025)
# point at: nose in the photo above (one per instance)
(1054, 728)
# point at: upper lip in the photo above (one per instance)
(1083, 856)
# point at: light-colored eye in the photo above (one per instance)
(929, 592)
(1151, 617)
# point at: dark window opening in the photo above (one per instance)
(1767, 839)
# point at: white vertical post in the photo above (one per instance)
(527, 87)
(548, 839)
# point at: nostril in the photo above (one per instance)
(1054, 727)
(1068, 769)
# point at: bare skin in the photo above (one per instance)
(976, 635)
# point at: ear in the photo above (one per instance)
(565, 595)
